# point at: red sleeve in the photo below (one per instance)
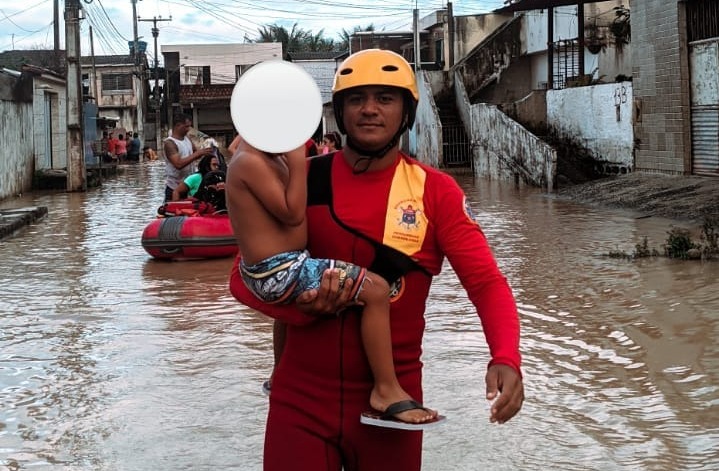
(287, 313)
(465, 246)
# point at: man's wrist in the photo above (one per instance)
(507, 362)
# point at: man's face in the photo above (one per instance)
(184, 127)
(372, 115)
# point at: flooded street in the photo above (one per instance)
(110, 360)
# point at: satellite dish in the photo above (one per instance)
(276, 106)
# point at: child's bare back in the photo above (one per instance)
(268, 198)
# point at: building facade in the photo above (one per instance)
(119, 88)
(200, 79)
(676, 86)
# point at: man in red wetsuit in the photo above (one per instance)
(374, 206)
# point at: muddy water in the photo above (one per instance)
(112, 361)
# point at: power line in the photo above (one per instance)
(7, 17)
(155, 34)
(236, 20)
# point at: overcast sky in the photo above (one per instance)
(28, 24)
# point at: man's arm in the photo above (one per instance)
(173, 154)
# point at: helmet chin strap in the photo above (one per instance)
(367, 156)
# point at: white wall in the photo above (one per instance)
(16, 165)
(473, 29)
(704, 63)
(503, 148)
(425, 139)
(540, 71)
(565, 22)
(599, 117)
(604, 66)
(611, 62)
(565, 27)
(222, 58)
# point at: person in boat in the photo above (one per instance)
(358, 209)
(180, 153)
(189, 186)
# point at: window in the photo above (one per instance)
(241, 69)
(197, 75)
(113, 83)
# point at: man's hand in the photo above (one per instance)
(205, 151)
(331, 297)
(505, 385)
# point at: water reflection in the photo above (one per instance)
(112, 360)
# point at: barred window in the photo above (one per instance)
(116, 82)
(702, 19)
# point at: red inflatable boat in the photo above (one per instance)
(186, 230)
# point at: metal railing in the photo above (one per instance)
(456, 149)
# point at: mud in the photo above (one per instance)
(683, 198)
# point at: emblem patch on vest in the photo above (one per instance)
(408, 215)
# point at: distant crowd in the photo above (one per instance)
(192, 173)
(119, 147)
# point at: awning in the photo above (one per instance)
(525, 5)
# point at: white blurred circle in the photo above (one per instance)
(276, 106)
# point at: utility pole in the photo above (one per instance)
(155, 34)
(56, 24)
(450, 36)
(94, 70)
(75, 148)
(140, 74)
(415, 28)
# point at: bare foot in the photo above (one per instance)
(383, 397)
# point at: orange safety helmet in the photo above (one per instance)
(376, 67)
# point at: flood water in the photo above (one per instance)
(110, 360)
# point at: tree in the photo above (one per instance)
(345, 35)
(318, 42)
(294, 40)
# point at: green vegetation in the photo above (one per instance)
(297, 39)
(679, 244)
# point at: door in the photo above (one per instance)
(704, 70)
(46, 159)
